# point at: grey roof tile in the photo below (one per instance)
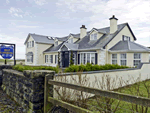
(128, 46)
(101, 42)
(40, 39)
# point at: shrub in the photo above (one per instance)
(21, 68)
(90, 67)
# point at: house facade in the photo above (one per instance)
(110, 45)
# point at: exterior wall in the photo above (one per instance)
(50, 64)
(118, 78)
(59, 42)
(130, 58)
(125, 31)
(83, 32)
(31, 49)
(98, 34)
(40, 49)
(101, 57)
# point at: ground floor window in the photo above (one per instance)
(56, 59)
(114, 58)
(87, 58)
(30, 58)
(123, 59)
(46, 58)
(137, 59)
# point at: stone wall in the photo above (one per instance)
(26, 88)
(3, 67)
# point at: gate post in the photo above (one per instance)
(48, 90)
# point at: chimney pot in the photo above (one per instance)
(83, 26)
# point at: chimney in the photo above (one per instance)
(113, 24)
(82, 31)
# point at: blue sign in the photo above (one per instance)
(6, 51)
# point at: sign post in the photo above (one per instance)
(8, 52)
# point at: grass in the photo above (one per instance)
(8, 60)
(137, 89)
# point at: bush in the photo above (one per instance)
(90, 67)
(21, 68)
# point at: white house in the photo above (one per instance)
(112, 45)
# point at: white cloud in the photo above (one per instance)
(26, 26)
(7, 1)
(135, 12)
(19, 13)
(40, 2)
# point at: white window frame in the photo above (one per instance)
(113, 59)
(123, 59)
(126, 38)
(94, 36)
(32, 43)
(29, 58)
(136, 59)
(49, 58)
(56, 59)
(86, 57)
(46, 56)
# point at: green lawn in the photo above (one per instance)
(138, 89)
(3, 60)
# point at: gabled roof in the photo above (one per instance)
(128, 46)
(70, 46)
(40, 39)
(53, 48)
(87, 44)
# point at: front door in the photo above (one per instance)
(65, 59)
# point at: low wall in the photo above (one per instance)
(106, 79)
(26, 88)
(1, 74)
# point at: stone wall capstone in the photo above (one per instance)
(26, 88)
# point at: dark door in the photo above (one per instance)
(65, 59)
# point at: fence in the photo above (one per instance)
(103, 93)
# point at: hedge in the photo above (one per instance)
(22, 67)
(90, 67)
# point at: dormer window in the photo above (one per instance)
(70, 40)
(56, 43)
(126, 38)
(94, 36)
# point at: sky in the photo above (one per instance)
(59, 18)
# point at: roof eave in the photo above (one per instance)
(129, 51)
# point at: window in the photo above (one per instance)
(27, 44)
(137, 59)
(32, 43)
(46, 58)
(123, 60)
(87, 58)
(94, 36)
(51, 58)
(56, 43)
(92, 58)
(56, 58)
(126, 38)
(30, 58)
(114, 58)
(70, 40)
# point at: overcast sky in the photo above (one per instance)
(61, 17)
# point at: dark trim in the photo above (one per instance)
(51, 58)
(131, 32)
(78, 58)
(95, 58)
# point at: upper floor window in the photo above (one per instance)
(32, 43)
(137, 59)
(94, 36)
(125, 38)
(123, 58)
(70, 40)
(56, 43)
